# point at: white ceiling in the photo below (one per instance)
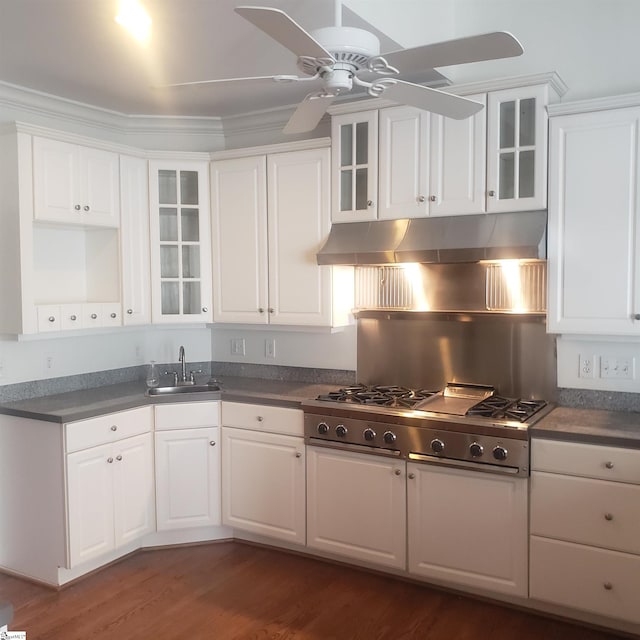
(74, 49)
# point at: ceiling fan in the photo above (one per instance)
(334, 57)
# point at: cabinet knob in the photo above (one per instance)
(260, 418)
(260, 310)
(432, 198)
(77, 207)
(397, 472)
(114, 427)
(74, 317)
(118, 457)
(609, 464)
(608, 516)
(52, 318)
(113, 315)
(369, 203)
(635, 316)
(109, 460)
(492, 193)
(271, 310)
(212, 443)
(86, 207)
(205, 309)
(420, 198)
(608, 586)
(130, 312)
(412, 476)
(298, 454)
(94, 316)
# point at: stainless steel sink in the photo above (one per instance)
(187, 388)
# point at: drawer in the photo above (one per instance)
(593, 512)
(108, 428)
(589, 460)
(585, 578)
(187, 415)
(263, 418)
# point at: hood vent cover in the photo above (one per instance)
(443, 240)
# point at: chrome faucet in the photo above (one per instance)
(183, 365)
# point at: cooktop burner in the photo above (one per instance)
(495, 407)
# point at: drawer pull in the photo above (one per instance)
(608, 586)
(412, 476)
(52, 318)
(260, 418)
(609, 464)
(608, 516)
(114, 427)
(212, 443)
(109, 460)
(298, 454)
(118, 457)
(397, 472)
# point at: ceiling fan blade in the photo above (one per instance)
(284, 30)
(308, 114)
(248, 81)
(444, 104)
(488, 46)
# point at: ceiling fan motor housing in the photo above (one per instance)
(355, 55)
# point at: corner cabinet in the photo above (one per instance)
(270, 216)
(180, 241)
(594, 222)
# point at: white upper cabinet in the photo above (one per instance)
(404, 163)
(270, 217)
(134, 241)
(457, 183)
(355, 166)
(517, 149)
(594, 215)
(180, 241)
(75, 184)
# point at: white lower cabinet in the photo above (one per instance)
(263, 483)
(356, 506)
(187, 445)
(468, 528)
(110, 497)
(585, 528)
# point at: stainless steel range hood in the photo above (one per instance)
(451, 239)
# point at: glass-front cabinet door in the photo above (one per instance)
(354, 143)
(517, 149)
(180, 246)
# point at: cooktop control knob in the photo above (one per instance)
(389, 437)
(323, 428)
(437, 446)
(476, 450)
(341, 431)
(369, 434)
(500, 453)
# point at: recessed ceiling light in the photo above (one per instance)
(135, 19)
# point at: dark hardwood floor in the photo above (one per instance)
(236, 591)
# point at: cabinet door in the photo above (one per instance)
(404, 163)
(354, 144)
(100, 187)
(180, 242)
(134, 503)
(187, 478)
(356, 506)
(593, 223)
(263, 484)
(298, 198)
(134, 241)
(239, 214)
(468, 528)
(90, 503)
(458, 163)
(517, 149)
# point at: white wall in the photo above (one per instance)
(41, 358)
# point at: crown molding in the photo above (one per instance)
(595, 104)
(296, 145)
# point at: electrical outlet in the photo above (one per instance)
(270, 348)
(237, 347)
(48, 363)
(620, 368)
(585, 367)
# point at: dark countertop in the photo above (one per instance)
(613, 428)
(87, 403)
